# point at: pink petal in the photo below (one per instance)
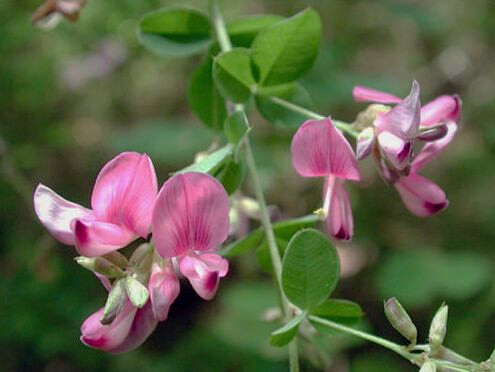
(125, 191)
(319, 149)
(57, 214)
(403, 120)
(340, 222)
(443, 108)
(191, 212)
(421, 196)
(163, 288)
(95, 238)
(432, 149)
(397, 150)
(204, 273)
(364, 94)
(143, 325)
(108, 337)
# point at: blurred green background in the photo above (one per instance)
(73, 97)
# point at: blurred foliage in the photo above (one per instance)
(73, 97)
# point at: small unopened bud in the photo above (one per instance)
(438, 329)
(367, 117)
(142, 258)
(115, 302)
(101, 266)
(400, 320)
(137, 293)
(271, 315)
(428, 366)
(365, 143)
(432, 133)
(249, 207)
(117, 258)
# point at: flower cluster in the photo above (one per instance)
(188, 219)
(390, 135)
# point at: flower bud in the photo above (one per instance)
(438, 328)
(400, 320)
(142, 258)
(432, 133)
(115, 302)
(117, 258)
(365, 143)
(428, 366)
(101, 266)
(367, 117)
(137, 292)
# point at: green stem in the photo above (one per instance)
(226, 45)
(341, 125)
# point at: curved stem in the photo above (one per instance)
(341, 125)
(226, 45)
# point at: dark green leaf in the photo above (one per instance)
(285, 334)
(284, 51)
(310, 269)
(343, 311)
(205, 99)
(276, 114)
(212, 162)
(243, 31)
(232, 74)
(175, 32)
(231, 175)
(284, 230)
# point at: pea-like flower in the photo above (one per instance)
(437, 127)
(320, 150)
(190, 221)
(122, 201)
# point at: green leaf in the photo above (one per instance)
(137, 292)
(284, 51)
(310, 269)
(235, 128)
(276, 114)
(231, 175)
(285, 334)
(242, 31)
(175, 32)
(204, 98)
(212, 162)
(284, 229)
(342, 311)
(232, 74)
(264, 257)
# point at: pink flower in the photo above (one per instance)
(122, 200)
(421, 196)
(396, 129)
(129, 329)
(437, 125)
(190, 220)
(320, 150)
(163, 288)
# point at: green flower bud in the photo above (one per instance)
(428, 366)
(438, 329)
(117, 258)
(142, 258)
(101, 266)
(400, 320)
(115, 302)
(137, 293)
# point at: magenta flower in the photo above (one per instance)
(320, 150)
(122, 200)
(437, 125)
(129, 329)
(190, 221)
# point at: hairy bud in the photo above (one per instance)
(428, 366)
(400, 320)
(115, 302)
(101, 266)
(438, 328)
(366, 118)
